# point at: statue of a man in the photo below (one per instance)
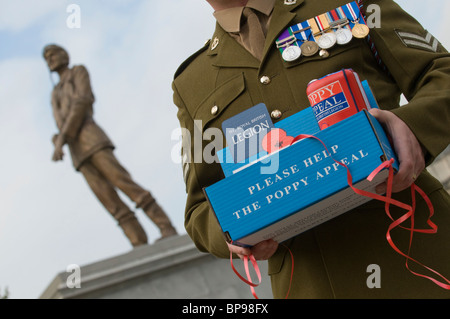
(92, 150)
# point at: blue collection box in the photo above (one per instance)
(301, 186)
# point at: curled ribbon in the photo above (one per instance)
(249, 281)
(388, 200)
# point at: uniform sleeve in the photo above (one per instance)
(421, 67)
(80, 102)
(200, 222)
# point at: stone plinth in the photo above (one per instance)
(170, 269)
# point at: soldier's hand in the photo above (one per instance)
(262, 251)
(408, 149)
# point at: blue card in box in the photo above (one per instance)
(303, 122)
(308, 187)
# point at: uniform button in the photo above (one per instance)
(214, 110)
(324, 54)
(276, 114)
(265, 79)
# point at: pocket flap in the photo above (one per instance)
(336, 50)
(218, 100)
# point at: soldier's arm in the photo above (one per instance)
(421, 67)
(200, 222)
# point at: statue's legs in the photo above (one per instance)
(117, 175)
(108, 196)
(159, 217)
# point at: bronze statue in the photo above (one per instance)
(92, 151)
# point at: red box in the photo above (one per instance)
(336, 96)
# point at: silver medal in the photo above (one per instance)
(343, 36)
(327, 40)
(291, 53)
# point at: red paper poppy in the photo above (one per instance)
(276, 139)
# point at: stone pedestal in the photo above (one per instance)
(170, 269)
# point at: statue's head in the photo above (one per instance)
(56, 57)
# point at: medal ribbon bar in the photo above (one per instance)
(346, 17)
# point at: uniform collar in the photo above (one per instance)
(230, 19)
(282, 16)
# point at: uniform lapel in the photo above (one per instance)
(281, 17)
(227, 52)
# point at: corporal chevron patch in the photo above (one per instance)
(413, 40)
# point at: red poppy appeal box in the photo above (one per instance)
(305, 185)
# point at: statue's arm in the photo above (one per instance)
(80, 103)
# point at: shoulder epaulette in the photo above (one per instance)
(188, 61)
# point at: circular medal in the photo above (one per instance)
(343, 36)
(360, 31)
(327, 40)
(309, 48)
(291, 53)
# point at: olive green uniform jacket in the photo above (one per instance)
(333, 259)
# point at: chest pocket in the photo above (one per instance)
(226, 100)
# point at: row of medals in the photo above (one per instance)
(327, 40)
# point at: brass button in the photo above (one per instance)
(265, 79)
(276, 114)
(324, 54)
(214, 110)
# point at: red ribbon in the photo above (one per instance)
(249, 281)
(388, 200)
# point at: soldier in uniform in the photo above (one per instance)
(92, 151)
(236, 70)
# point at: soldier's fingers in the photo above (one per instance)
(264, 250)
(239, 251)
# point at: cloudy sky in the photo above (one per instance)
(49, 218)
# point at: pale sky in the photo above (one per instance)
(49, 218)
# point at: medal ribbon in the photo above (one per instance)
(302, 31)
(322, 23)
(340, 13)
(352, 12)
(286, 39)
(330, 17)
(334, 15)
(314, 27)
